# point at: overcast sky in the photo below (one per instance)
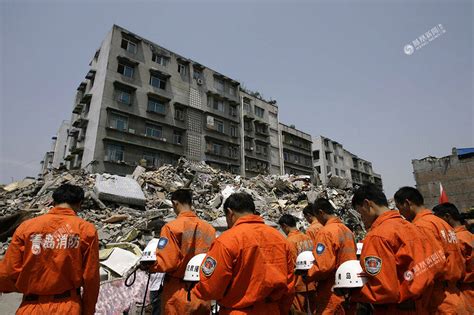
(336, 68)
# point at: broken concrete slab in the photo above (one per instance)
(119, 189)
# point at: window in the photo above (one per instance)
(343, 173)
(233, 110)
(335, 160)
(197, 74)
(158, 82)
(233, 152)
(318, 169)
(115, 152)
(219, 125)
(124, 97)
(219, 84)
(248, 125)
(232, 90)
(233, 130)
(156, 106)
(259, 111)
(153, 131)
(119, 122)
(247, 144)
(178, 137)
(152, 158)
(316, 154)
(217, 148)
(337, 171)
(125, 70)
(129, 45)
(161, 60)
(218, 105)
(182, 69)
(328, 169)
(286, 156)
(328, 156)
(179, 114)
(247, 106)
(260, 128)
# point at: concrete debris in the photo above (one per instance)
(111, 201)
(120, 261)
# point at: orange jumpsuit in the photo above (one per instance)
(181, 240)
(446, 297)
(249, 270)
(335, 244)
(313, 230)
(49, 258)
(299, 242)
(466, 242)
(400, 264)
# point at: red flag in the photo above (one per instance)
(442, 195)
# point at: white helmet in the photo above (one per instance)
(193, 267)
(350, 275)
(359, 248)
(304, 261)
(149, 253)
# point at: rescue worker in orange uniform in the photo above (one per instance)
(180, 240)
(449, 213)
(314, 224)
(394, 257)
(335, 244)
(249, 268)
(299, 242)
(52, 256)
(446, 297)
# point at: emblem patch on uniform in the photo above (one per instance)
(408, 275)
(373, 265)
(208, 266)
(162, 242)
(320, 248)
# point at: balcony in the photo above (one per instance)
(78, 108)
(80, 122)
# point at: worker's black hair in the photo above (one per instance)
(448, 208)
(68, 193)
(324, 205)
(184, 196)
(409, 193)
(369, 192)
(239, 202)
(156, 225)
(308, 210)
(288, 220)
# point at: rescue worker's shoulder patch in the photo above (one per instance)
(320, 248)
(208, 266)
(373, 265)
(163, 241)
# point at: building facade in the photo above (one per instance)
(262, 149)
(331, 159)
(54, 158)
(141, 102)
(455, 172)
(296, 147)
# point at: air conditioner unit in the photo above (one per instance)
(199, 81)
(131, 130)
(251, 148)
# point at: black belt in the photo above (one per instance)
(403, 306)
(65, 294)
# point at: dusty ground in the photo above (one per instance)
(9, 303)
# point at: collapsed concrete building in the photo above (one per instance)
(455, 172)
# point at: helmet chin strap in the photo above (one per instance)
(191, 286)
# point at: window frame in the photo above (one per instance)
(129, 43)
(161, 81)
(154, 128)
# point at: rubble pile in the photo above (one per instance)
(119, 222)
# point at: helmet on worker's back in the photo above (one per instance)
(193, 268)
(149, 253)
(305, 260)
(350, 275)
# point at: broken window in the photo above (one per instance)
(128, 45)
(119, 122)
(182, 69)
(125, 70)
(316, 154)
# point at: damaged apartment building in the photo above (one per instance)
(141, 103)
(331, 159)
